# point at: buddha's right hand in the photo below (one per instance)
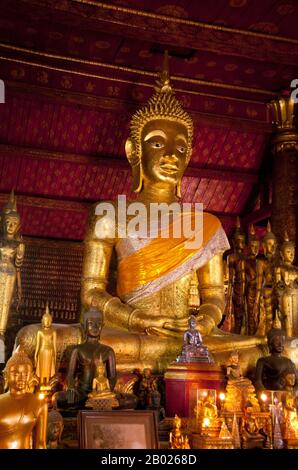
(140, 321)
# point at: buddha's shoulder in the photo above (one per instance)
(211, 218)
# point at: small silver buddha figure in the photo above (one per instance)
(193, 349)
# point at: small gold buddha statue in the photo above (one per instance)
(239, 389)
(100, 384)
(250, 432)
(12, 250)
(266, 279)
(286, 280)
(236, 286)
(23, 415)
(176, 439)
(209, 408)
(290, 425)
(251, 280)
(45, 351)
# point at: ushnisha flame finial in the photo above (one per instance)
(163, 84)
(11, 206)
(252, 233)
(269, 234)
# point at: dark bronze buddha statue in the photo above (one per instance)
(270, 370)
(85, 358)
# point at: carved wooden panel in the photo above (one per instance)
(51, 271)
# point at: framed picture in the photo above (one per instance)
(131, 429)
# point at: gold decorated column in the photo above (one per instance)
(285, 169)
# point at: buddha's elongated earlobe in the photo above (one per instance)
(137, 178)
(178, 189)
(136, 166)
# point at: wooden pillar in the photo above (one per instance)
(285, 170)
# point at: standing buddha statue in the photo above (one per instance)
(236, 286)
(265, 280)
(12, 250)
(251, 280)
(286, 280)
(45, 351)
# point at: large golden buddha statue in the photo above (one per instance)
(154, 274)
(147, 314)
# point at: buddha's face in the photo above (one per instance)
(164, 151)
(18, 377)
(93, 327)
(100, 369)
(11, 225)
(290, 379)
(234, 358)
(239, 243)
(192, 323)
(277, 344)
(253, 247)
(288, 254)
(210, 399)
(269, 246)
(46, 321)
(54, 430)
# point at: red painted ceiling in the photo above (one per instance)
(76, 70)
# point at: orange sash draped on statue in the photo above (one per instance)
(160, 257)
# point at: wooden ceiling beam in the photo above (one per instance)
(87, 100)
(106, 17)
(218, 174)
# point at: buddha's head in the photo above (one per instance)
(55, 426)
(234, 357)
(100, 367)
(238, 238)
(269, 242)
(287, 250)
(93, 323)
(276, 339)
(289, 378)
(192, 322)
(147, 373)
(160, 142)
(46, 320)
(253, 242)
(11, 222)
(18, 372)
